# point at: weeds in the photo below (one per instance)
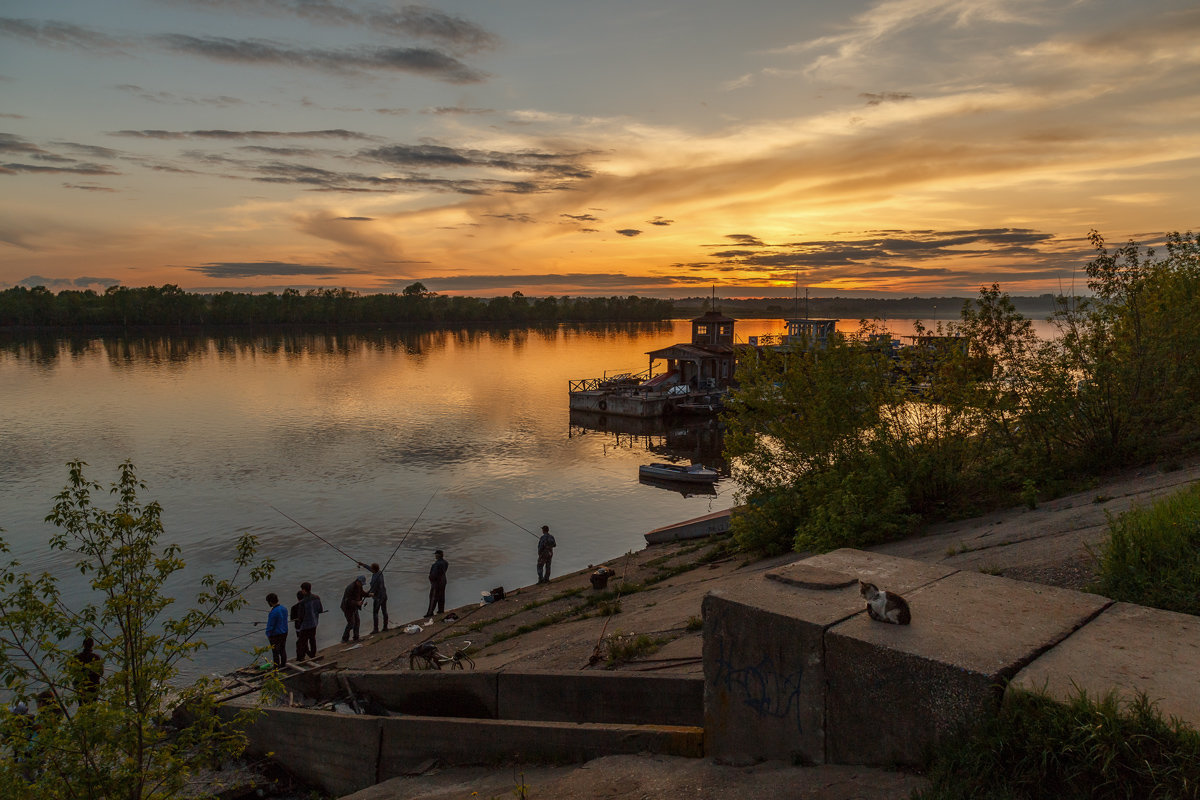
(627, 647)
(1083, 749)
(1152, 555)
(694, 624)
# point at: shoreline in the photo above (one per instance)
(657, 591)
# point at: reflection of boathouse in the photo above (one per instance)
(707, 362)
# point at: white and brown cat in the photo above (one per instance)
(884, 606)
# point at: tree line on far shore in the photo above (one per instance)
(851, 445)
(169, 305)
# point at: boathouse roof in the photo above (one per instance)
(713, 316)
(692, 351)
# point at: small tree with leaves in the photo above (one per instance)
(114, 738)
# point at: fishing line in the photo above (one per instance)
(323, 539)
(239, 636)
(410, 528)
(506, 519)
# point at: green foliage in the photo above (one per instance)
(832, 450)
(847, 444)
(118, 742)
(1084, 749)
(170, 305)
(1152, 555)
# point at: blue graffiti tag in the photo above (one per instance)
(762, 687)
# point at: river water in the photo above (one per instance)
(380, 442)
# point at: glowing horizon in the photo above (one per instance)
(883, 148)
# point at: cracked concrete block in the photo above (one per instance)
(894, 690)
(764, 656)
(1127, 648)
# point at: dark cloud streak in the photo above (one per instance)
(416, 21)
(255, 269)
(417, 60)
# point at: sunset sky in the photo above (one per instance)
(912, 147)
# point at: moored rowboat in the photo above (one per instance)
(693, 473)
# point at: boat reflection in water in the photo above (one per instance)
(695, 440)
(684, 488)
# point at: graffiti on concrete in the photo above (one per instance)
(761, 687)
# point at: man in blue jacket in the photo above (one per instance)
(277, 631)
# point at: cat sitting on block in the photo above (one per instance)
(884, 606)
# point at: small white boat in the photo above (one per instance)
(693, 473)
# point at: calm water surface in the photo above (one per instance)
(351, 434)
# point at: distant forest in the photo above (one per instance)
(168, 305)
(1039, 307)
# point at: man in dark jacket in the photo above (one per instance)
(546, 545)
(87, 669)
(437, 584)
(378, 595)
(352, 600)
(306, 631)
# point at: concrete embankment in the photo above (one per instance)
(475, 718)
(974, 636)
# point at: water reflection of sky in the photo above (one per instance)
(351, 435)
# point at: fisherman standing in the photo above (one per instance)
(87, 669)
(277, 630)
(378, 595)
(437, 584)
(546, 545)
(352, 600)
(306, 635)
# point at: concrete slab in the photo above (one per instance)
(337, 752)
(429, 693)
(764, 652)
(1130, 649)
(894, 574)
(894, 690)
(408, 740)
(605, 697)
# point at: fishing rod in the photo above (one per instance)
(506, 519)
(323, 539)
(410, 528)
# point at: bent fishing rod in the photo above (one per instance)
(506, 519)
(410, 529)
(323, 539)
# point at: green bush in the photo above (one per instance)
(1083, 749)
(1152, 556)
